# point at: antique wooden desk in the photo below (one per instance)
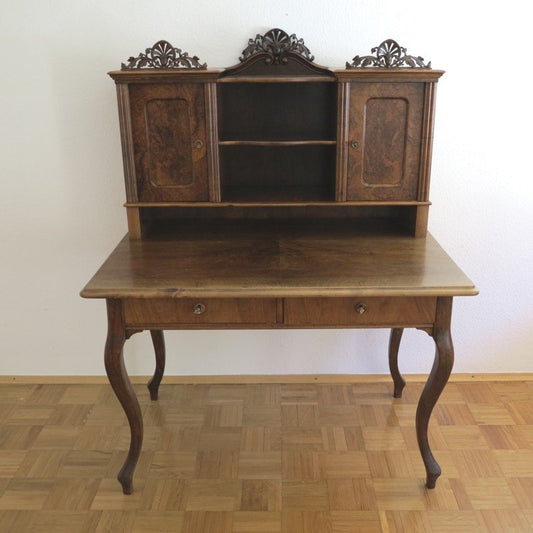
(277, 194)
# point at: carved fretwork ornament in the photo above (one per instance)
(277, 44)
(389, 54)
(163, 55)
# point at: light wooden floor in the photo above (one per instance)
(293, 458)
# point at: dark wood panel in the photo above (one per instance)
(170, 141)
(384, 140)
(277, 112)
(277, 173)
(400, 311)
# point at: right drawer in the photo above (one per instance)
(353, 312)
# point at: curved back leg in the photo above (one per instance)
(394, 346)
(158, 340)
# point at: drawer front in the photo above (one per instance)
(353, 312)
(190, 312)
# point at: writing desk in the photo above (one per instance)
(277, 274)
(277, 193)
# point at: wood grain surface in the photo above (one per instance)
(269, 458)
(277, 259)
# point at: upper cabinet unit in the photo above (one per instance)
(277, 129)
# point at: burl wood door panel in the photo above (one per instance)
(385, 134)
(169, 137)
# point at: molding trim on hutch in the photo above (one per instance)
(277, 194)
(165, 56)
(389, 54)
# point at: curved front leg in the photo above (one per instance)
(394, 347)
(118, 377)
(158, 340)
(442, 367)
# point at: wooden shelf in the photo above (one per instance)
(277, 143)
(280, 203)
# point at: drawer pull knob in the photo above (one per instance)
(355, 144)
(199, 309)
(198, 143)
(360, 308)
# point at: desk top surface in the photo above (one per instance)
(275, 259)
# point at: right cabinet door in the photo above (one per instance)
(384, 140)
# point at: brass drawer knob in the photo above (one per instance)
(360, 308)
(198, 143)
(199, 309)
(354, 144)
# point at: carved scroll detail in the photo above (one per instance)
(276, 43)
(389, 54)
(163, 55)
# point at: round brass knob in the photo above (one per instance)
(354, 144)
(360, 308)
(199, 309)
(198, 143)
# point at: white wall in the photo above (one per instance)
(62, 186)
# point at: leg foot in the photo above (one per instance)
(119, 380)
(158, 341)
(394, 346)
(437, 380)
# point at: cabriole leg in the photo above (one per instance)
(158, 341)
(437, 380)
(394, 346)
(119, 380)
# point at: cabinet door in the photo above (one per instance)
(384, 142)
(169, 137)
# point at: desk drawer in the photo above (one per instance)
(394, 311)
(189, 311)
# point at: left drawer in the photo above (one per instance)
(197, 311)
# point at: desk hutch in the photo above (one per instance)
(277, 194)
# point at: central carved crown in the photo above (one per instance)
(277, 44)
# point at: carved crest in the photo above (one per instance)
(389, 54)
(163, 55)
(277, 44)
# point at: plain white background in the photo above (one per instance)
(62, 184)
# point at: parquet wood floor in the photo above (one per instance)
(266, 458)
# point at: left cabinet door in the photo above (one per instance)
(168, 123)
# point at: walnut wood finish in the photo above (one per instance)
(170, 139)
(188, 312)
(119, 380)
(394, 347)
(359, 312)
(158, 340)
(437, 380)
(385, 134)
(320, 180)
(269, 259)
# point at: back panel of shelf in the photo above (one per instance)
(277, 111)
